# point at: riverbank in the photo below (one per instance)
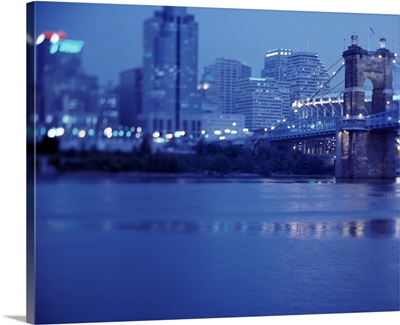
(207, 160)
(174, 177)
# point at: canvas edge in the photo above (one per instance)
(30, 165)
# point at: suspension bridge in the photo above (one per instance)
(353, 118)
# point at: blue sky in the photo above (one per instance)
(113, 33)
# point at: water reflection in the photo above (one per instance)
(374, 228)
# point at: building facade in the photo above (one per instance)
(275, 64)
(209, 94)
(170, 98)
(221, 127)
(130, 97)
(226, 72)
(261, 101)
(306, 75)
(109, 110)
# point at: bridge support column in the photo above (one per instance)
(362, 150)
(365, 154)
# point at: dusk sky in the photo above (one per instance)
(113, 33)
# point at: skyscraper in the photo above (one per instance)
(306, 74)
(170, 99)
(275, 64)
(226, 72)
(130, 96)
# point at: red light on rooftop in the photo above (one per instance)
(49, 34)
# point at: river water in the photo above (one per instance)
(120, 248)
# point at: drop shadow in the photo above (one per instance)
(17, 318)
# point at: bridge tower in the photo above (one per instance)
(362, 152)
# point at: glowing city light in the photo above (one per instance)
(54, 38)
(108, 132)
(40, 39)
(60, 131)
(51, 133)
(66, 46)
(178, 134)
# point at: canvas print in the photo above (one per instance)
(193, 162)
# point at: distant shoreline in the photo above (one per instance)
(171, 176)
(199, 177)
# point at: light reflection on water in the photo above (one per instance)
(196, 248)
(285, 208)
(374, 228)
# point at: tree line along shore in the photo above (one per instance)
(209, 159)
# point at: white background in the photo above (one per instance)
(12, 154)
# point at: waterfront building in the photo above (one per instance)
(261, 101)
(223, 127)
(170, 99)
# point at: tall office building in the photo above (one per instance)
(130, 97)
(226, 72)
(170, 98)
(260, 100)
(275, 64)
(306, 74)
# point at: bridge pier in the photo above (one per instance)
(364, 150)
(365, 154)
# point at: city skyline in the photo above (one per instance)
(13, 34)
(259, 31)
(160, 51)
